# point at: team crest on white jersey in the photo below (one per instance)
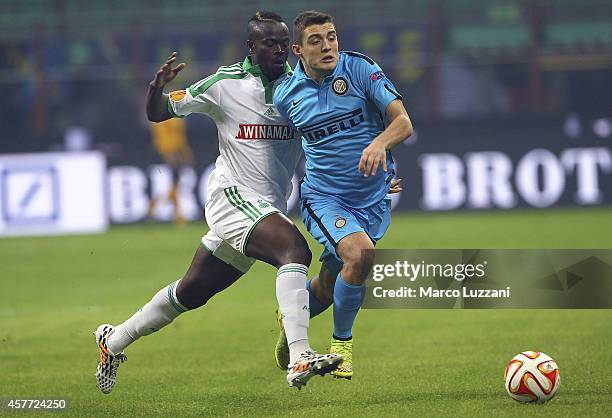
(271, 112)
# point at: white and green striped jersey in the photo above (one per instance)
(258, 149)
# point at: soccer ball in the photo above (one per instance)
(532, 376)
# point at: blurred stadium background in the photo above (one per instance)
(512, 104)
(510, 99)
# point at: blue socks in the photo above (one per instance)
(347, 301)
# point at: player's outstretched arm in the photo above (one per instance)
(399, 128)
(157, 101)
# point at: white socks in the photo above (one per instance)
(164, 307)
(292, 299)
(156, 314)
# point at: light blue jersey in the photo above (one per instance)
(337, 120)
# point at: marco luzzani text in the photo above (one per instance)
(417, 273)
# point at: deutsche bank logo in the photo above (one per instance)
(30, 195)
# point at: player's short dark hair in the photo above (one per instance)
(308, 18)
(265, 16)
(260, 17)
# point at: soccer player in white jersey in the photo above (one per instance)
(246, 202)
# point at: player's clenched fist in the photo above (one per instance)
(166, 73)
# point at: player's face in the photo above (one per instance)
(270, 48)
(319, 49)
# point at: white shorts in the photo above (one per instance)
(232, 213)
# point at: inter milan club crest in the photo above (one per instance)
(340, 222)
(340, 86)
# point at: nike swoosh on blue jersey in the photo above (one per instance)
(294, 103)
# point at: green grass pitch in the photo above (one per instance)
(218, 360)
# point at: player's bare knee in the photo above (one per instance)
(367, 260)
(358, 261)
(359, 258)
(298, 253)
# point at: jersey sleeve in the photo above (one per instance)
(376, 86)
(200, 97)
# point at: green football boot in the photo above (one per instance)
(281, 352)
(345, 349)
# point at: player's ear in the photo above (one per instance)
(297, 50)
(251, 46)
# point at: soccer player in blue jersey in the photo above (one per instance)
(349, 115)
